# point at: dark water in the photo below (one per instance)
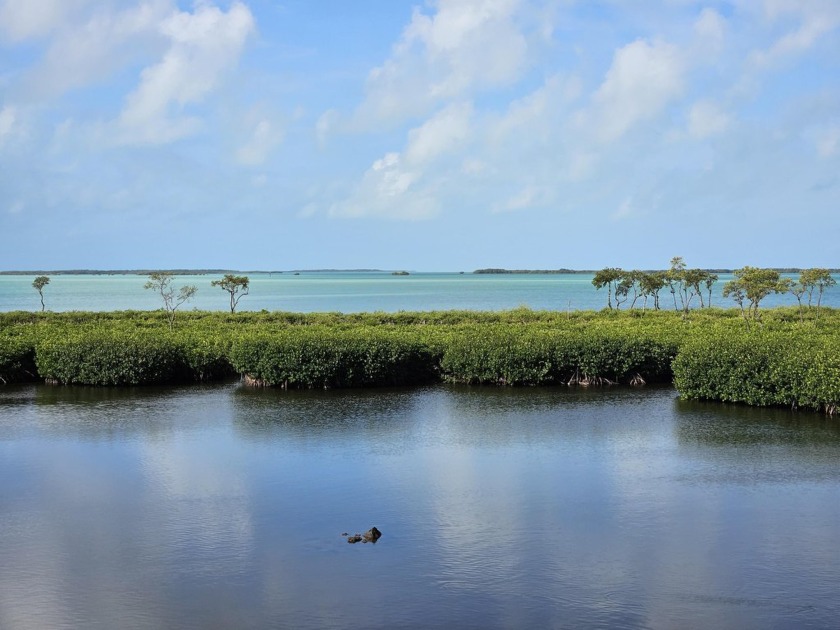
(219, 507)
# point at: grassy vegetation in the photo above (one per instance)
(713, 353)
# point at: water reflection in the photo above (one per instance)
(223, 506)
(703, 422)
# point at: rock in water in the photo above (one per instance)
(370, 536)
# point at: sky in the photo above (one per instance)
(446, 135)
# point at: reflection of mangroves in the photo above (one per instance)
(782, 361)
(705, 423)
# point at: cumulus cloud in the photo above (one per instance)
(398, 184)
(463, 46)
(643, 79)
(445, 131)
(203, 46)
(89, 48)
(387, 190)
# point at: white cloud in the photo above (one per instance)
(387, 190)
(816, 19)
(265, 136)
(89, 47)
(25, 19)
(710, 28)
(537, 110)
(528, 197)
(643, 79)
(465, 45)
(203, 46)
(399, 185)
(707, 119)
(447, 130)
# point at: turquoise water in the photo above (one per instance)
(346, 292)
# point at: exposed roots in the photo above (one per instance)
(832, 408)
(586, 380)
(250, 381)
(637, 380)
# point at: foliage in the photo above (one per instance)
(39, 283)
(324, 359)
(115, 356)
(608, 277)
(161, 282)
(17, 358)
(752, 285)
(686, 284)
(236, 286)
(816, 278)
(762, 367)
(792, 359)
(502, 356)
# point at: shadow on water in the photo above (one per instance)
(722, 424)
(266, 413)
(460, 415)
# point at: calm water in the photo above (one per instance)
(344, 292)
(221, 507)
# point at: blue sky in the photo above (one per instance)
(445, 135)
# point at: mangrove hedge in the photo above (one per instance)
(786, 359)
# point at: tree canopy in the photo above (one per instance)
(236, 286)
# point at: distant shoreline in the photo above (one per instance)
(585, 271)
(219, 272)
(176, 272)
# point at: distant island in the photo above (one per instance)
(543, 271)
(221, 272)
(175, 272)
(492, 270)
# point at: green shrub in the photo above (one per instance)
(522, 356)
(761, 368)
(325, 358)
(110, 358)
(17, 359)
(787, 359)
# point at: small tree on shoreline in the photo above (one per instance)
(816, 278)
(608, 277)
(39, 283)
(754, 284)
(161, 282)
(237, 286)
